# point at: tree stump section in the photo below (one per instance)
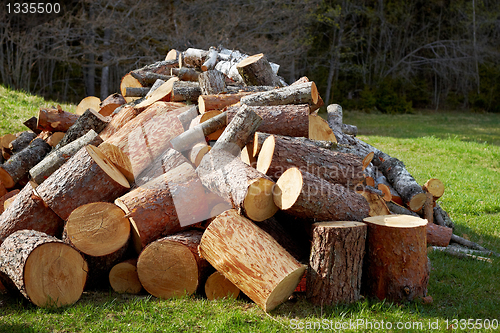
(396, 266)
(45, 270)
(251, 259)
(89, 120)
(28, 211)
(55, 120)
(171, 266)
(86, 177)
(306, 196)
(217, 287)
(123, 277)
(336, 261)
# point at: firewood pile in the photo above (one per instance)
(210, 174)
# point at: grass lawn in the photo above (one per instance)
(461, 149)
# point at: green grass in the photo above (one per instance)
(461, 149)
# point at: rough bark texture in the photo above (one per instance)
(90, 119)
(256, 71)
(21, 142)
(248, 190)
(219, 102)
(398, 209)
(20, 164)
(443, 217)
(55, 120)
(86, 177)
(217, 287)
(136, 92)
(172, 266)
(147, 78)
(212, 82)
(28, 211)
(186, 74)
(260, 137)
(234, 89)
(278, 155)
(335, 120)
(251, 259)
(123, 277)
(44, 269)
(335, 265)
(396, 266)
(58, 157)
(305, 93)
(438, 235)
(288, 120)
(210, 59)
(193, 57)
(185, 91)
(306, 196)
(164, 205)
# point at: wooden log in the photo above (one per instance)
(212, 82)
(171, 266)
(90, 119)
(467, 243)
(395, 197)
(158, 83)
(335, 120)
(335, 265)
(248, 190)
(163, 93)
(7, 139)
(210, 59)
(118, 121)
(442, 216)
(435, 187)
(32, 125)
(398, 209)
(217, 287)
(136, 92)
(89, 102)
(164, 205)
(55, 120)
(305, 93)
(256, 71)
(306, 196)
(21, 142)
(186, 117)
(88, 176)
(197, 152)
(3, 190)
(235, 89)
(186, 74)
(247, 156)
(219, 102)
(129, 81)
(428, 208)
(149, 134)
(319, 129)
(20, 164)
(173, 54)
(205, 117)
(412, 194)
(7, 202)
(28, 211)
(58, 157)
(160, 67)
(109, 105)
(278, 155)
(438, 235)
(123, 277)
(289, 120)
(119, 159)
(260, 137)
(376, 203)
(46, 271)
(396, 266)
(148, 78)
(193, 57)
(460, 253)
(185, 91)
(55, 138)
(251, 259)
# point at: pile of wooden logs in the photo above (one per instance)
(210, 174)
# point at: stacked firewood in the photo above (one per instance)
(210, 173)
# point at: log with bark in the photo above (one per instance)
(21, 142)
(90, 102)
(251, 259)
(256, 71)
(109, 105)
(210, 59)
(212, 82)
(205, 117)
(396, 265)
(336, 261)
(335, 120)
(163, 93)
(218, 286)
(126, 114)
(305, 93)
(58, 157)
(438, 235)
(319, 129)
(119, 159)
(45, 270)
(197, 152)
(89, 120)
(160, 67)
(123, 277)
(129, 81)
(171, 266)
(28, 211)
(193, 57)
(165, 205)
(86, 177)
(185, 91)
(220, 101)
(55, 120)
(137, 92)
(377, 205)
(20, 164)
(435, 187)
(186, 74)
(187, 116)
(306, 196)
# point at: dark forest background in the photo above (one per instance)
(386, 55)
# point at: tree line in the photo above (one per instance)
(390, 56)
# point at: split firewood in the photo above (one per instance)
(129, 81)
(136, 91)
(100, 231)
(247, 155)
(173, 54)
(396, 265)
(90, 119)
(377, 205)
(256, 71)
(163, 93)
(109, 105)
(319, 129)
(58, 157)
(335, 265)
(32, 125)
(158, 83)
(251, 259)
(119, 159)
(335, 120)
(289, 120)
(212, 82)
(88, 176)
(306, 196)
(277, 155)
(171, 266)
(90, 102)
(219, 102)
(55, 138)
(228, 60)
(305, 93)
(164, 205)
(193, 57)
(28, 211)
(123, 277)
(438, 235)
(20, 164)
(55, 120)
(186, 74)
(218, 286)
(210, 59)
(46, 271)
(185, 91)
(21, 142)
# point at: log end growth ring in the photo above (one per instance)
(284, 289)
(259, 204)
(288, 189)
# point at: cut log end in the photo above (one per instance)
(259, 204)
(368, 159)
(417, 202)
(435, 187)
(6, 179)
(319, 129)
(285, 288)
(107, 166)
(123, 278)
(217, 286)
(288, 189)
(266, 154)
(397, 221)
(386, 190)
